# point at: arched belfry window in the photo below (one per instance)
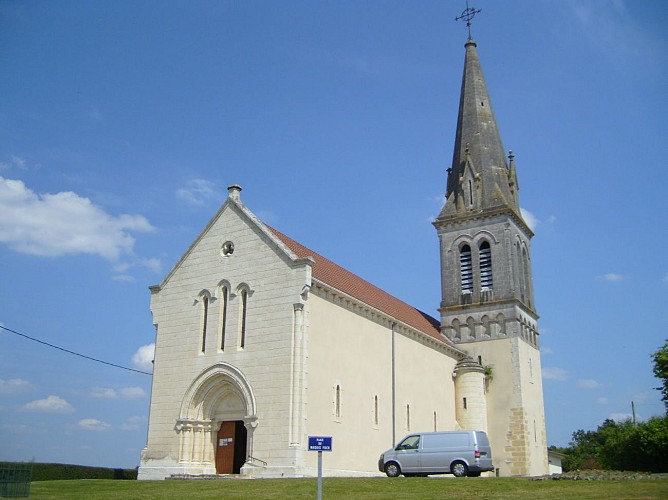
(525, 276)
(466, 269)
(485, 266)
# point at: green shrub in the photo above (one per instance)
(51, 472)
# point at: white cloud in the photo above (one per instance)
(143, 358)
(553, 373)
(665, 277)
(133, 423)
(546, 350)
(92, 424)
(17, 428)
(14, 385)
(613, 31)
(642, 397)
(620, 417)
(121, 267)
(529, 218)
(63, 223)
(197, 191)
(602, 401)
(132, 392)
(154, 265)
(124, 277)
(103, 393)
(612, 277)
(52, 404)
(15, 161)
(589, 384)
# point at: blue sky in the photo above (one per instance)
(122, 123)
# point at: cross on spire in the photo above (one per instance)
(467, 15)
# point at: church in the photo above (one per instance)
(262, 342)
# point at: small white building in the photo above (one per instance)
(554, 459)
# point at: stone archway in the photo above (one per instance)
(218, 394)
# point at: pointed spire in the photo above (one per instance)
(478, 144)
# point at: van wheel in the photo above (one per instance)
(392, 469)
(459, 469)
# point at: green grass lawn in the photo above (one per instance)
(350, 489)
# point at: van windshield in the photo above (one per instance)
(410, 443)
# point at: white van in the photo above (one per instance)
(462, 453)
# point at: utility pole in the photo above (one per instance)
(633, 411)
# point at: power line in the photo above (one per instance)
(75, 353)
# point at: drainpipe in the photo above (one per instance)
(394, 396)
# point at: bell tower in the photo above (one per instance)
(487, 306)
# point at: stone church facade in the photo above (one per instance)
(261, 342)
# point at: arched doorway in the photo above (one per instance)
(217, 420)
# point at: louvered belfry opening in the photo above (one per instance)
(485, 266)
(466, 269)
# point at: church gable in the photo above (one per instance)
(232, 219)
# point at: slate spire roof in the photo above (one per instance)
(480, 177)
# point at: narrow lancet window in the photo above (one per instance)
(205, 317)
(337, 402)
(470, 193)
(375, 410)
(408, 417)
(466, 269)
(223, 316)
(485, 266)
(244, 308)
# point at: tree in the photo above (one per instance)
(621, 446)
(660, 359)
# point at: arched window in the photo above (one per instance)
(526, 278)
(337, 402)
(466, 269)
(485, 266)
(225, 297)
(244, 309)
(408, 417)
(456, 328)
(205, 317)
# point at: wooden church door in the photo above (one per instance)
(231, 447)
(225, 448)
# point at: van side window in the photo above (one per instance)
(410, 443)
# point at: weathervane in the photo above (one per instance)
(467, 15)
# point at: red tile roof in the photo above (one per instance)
(343, 280)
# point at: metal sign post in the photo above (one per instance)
(320, 444)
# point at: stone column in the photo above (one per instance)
(184, 428)
(297, 376)
(209, 445)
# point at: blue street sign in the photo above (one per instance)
(320, 443)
